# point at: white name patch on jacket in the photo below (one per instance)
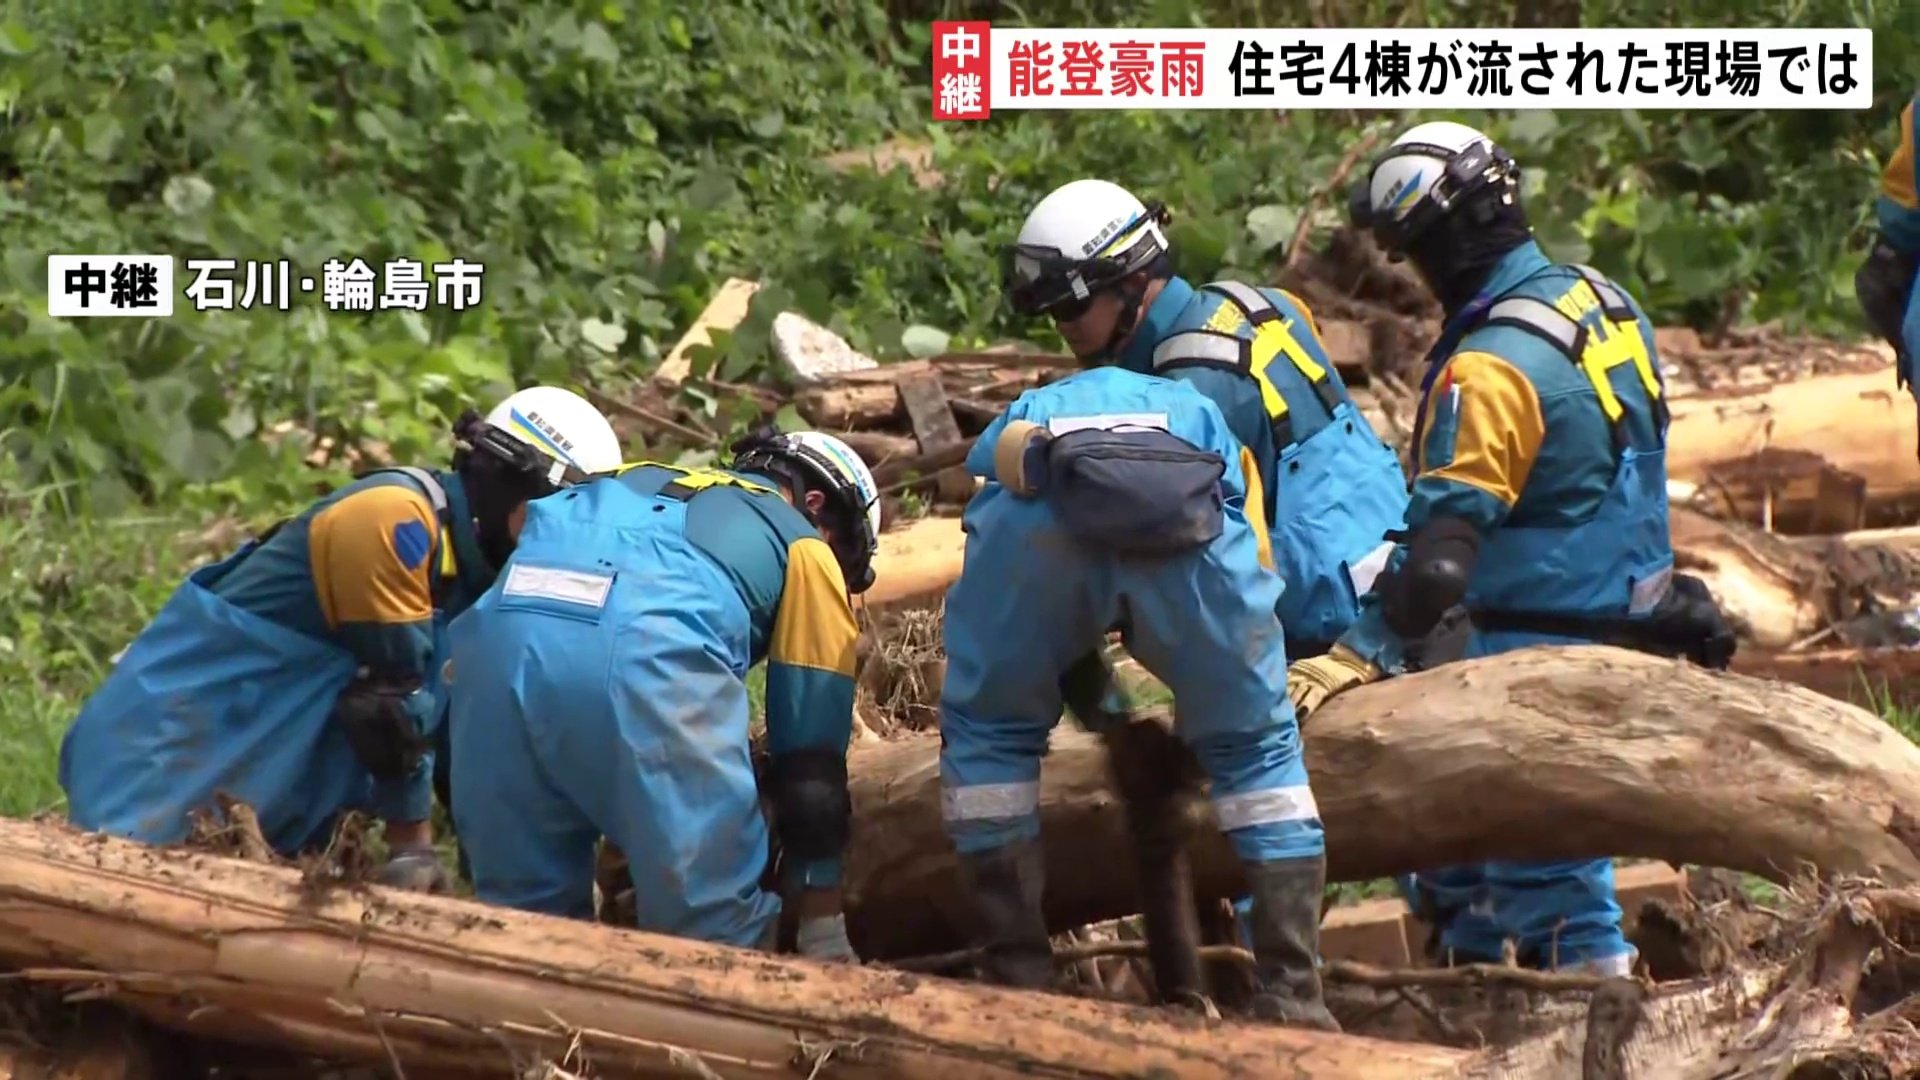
(1060, 425)
(553, 583)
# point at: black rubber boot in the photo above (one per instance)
(1285, 924)
(1006, 885)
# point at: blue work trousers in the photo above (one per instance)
(1031, 600)
(598, 689)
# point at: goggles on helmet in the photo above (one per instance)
(1466, 173)
(1041, 280)
(766, 449)
(518, 455)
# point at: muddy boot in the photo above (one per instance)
(1286, 941)
(1005, 883)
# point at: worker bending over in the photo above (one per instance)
(1093, 258)
(1884, 283)
(302, 674)
(598, 689)
(1539, 501)
(1117, 499)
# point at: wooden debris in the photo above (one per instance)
(1820, 454)
(726, 310)
(239, 951)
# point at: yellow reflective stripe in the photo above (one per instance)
(1609, 346)
(699, 479)
(1259, 355)
(1275, 338)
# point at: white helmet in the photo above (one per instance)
(1423, 177)
(1083, 237)
(815, 461)
(549, 432)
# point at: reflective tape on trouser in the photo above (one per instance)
(1266, 807)
(1030, 602)
(987, 802)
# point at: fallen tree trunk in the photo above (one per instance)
(1826, 453)
(248, 952)
(916, 563)
(1540, 754)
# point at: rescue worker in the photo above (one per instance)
(1093, 257)
(1116, 499)
(302, 674)
(1884, 282)
(598, 689)
(1539, 502)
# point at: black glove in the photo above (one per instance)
(1882, 285)
(374, 715)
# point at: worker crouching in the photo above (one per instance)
(302, 675)
(599, 689)
(1122, 500)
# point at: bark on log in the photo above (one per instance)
(243, 951)
(1851, 427)
(1539, 754)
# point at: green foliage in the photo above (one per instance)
(610, 163)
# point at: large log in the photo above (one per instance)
(1544, 753)
(1821, 454)
(247, 952)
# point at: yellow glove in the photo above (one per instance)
(1312, 681)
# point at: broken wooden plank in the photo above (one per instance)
(726, 310)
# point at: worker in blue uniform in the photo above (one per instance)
(1884, 282)
(1333, 489)
(1121, 500)
(1539, 504)
(301, 675)
(599, 689)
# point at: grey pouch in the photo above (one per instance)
(1136, 492)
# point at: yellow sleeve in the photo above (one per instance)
(1483, 427)
(1256, 506)
(371, 557)
(1897, 180)
(810, 655)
